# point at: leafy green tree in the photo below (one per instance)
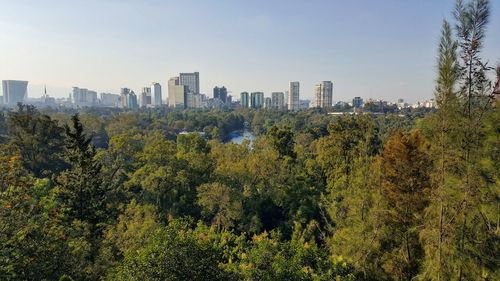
(172, 253)
(220, 202)
(38, 138)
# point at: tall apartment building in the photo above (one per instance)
(220, 93)
(293, 96)
(132, 101)
(267, 103)
(257, 100)
(83, 97)
(194, 100)
(244, 100)
(278, 100)
(176, 93)
(191, 80)
(108, 99)
(145, 97)
(14, 91)
(156, 94)
(324, 94)
(124, 92)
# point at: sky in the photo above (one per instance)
(384, 49)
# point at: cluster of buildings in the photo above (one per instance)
(184, 92)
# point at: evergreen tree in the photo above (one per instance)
(81, 188)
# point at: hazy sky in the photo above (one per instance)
(380, 49)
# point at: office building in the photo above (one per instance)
(267, 103)
(220, 93)
(194, 100)
(244, 100)
(257, 100)
(110, 100)
(357, 102)
(278, 100)
(14, 92)
(176, 93)
(294, 97)
(124, 92)
(191, 80)
(132, 101)
(145, 98)
(324, 94)
(83, 97)
(304, 104)
(156, 94)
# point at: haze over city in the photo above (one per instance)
(373, 49)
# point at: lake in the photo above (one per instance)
(239, 136)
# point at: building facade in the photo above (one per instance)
(257, 100)
(244, 100)
(176, 93)
(357, 102)
(278, 100)
(294, 96)
(145, 98)
(14, 91)
(220, 93)
(324, 94)
(124, 92)
(156, 97)
(191, 80)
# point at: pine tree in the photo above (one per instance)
(81, 188)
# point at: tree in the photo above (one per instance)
(172, 253)
(38, 138)
(405, 165)
(81, 188)
(222, 203)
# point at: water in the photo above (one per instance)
(239, 136)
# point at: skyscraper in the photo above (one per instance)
(267, 103)
(257, 100)
(324, 94)
(176, 93)
(293, 97)
(145, 98)
(191, 80)
(244, 100)
(220, 93)
(132, 101)
(14, 91)
(156, 94)
(124, 92)
(278, 100)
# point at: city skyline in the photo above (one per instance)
(251, 47)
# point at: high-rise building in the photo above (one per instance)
(14, 91)
(194, 100)
(156, 94)
(293, 96)
(244, 100)
(257, 100)
(110, 99)
(145, 97)
(176, 93)
(357, 102)
(267, 103)
(132, 101)
(278, 100)
(220, 93)
(83, 97)
(124, 93)
(191, 80)
(324, 94)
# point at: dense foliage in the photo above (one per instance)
(111, 195)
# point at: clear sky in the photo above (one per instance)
(379, 49)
